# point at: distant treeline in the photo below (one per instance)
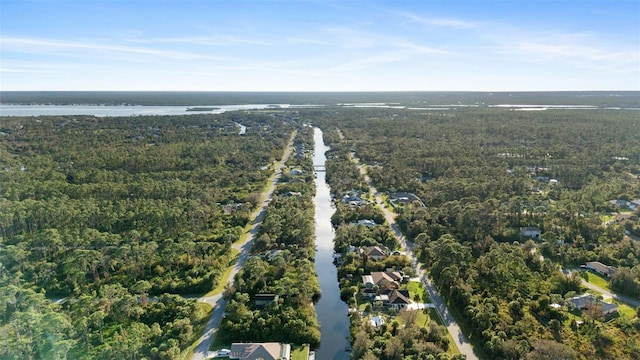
(596, 98)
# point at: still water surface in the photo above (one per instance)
(137, 110)
(332, 312)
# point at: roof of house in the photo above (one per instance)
(618, 202)
(529, 229)
(585, 300)
(374, 251)
(265, 351)
(600, 267)
(265, 296)
(402, 195)
(367, 279)
(376, 321)
(399, 297)
(366, 222)
(379, 277)
(395, 275)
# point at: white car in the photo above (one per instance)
(224, 352)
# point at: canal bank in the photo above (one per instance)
(332, 312)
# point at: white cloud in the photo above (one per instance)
(439, 22)
(31, 45)
(582, 50)
(217, 40)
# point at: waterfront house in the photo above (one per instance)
(264, 351)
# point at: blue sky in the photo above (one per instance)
(280, 45)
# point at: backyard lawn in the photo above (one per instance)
(597, 280)
(416, 288)
(300, 352)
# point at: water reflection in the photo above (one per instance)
(332, 312)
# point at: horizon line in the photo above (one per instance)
(325, 91)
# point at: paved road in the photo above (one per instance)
(606, 294)
(461, 341)
(201, 351)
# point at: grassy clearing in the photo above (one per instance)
(423, 318)
(416, 288)
(300, 352)
(626, 311)
(607, 218)
(598, 280)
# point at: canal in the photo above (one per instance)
(332, 312)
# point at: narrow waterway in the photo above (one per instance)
(332, 312)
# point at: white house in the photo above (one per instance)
(530, 231)
(376, 321)
(601, 268)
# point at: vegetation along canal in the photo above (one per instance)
(332, 312)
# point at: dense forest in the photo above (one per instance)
(116, 219)
(484, 173)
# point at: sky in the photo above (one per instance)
(355, 45)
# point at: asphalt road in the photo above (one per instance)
(606, 294)
(201, 351)
(461, 341)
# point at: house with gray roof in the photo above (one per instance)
(588, 301)
(264, 351)
(601, 268)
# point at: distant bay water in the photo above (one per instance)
(115, 104)
(126, 110)
(147, 110)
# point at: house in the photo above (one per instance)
(398, 299)
(624, 204)
(366, 222)
(383, 280)
(376, 321)
(292, 194)
(530, 231)
(601, 268)
(621, 204)
(373, 253)
(272, 254)
(265, 299)
(397, 276)
(296, 172)
(353, 198)
(401, 198)
(588, 301)
(230, 208)
(264, 351)
(367, 281)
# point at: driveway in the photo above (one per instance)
(606, 294)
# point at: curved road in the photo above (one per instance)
(461, 341)
(606, 294)
(201, 351)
